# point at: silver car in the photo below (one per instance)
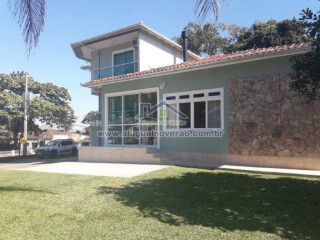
(57, 148)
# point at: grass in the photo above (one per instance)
(173, 203)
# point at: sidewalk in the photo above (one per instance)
(282, 171)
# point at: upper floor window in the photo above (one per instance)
(123, 62)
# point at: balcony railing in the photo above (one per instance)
(116, 70)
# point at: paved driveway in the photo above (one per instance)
(69, 165)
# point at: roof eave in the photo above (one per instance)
(137, 27)
(251, 58)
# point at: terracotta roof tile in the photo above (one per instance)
(212, 59)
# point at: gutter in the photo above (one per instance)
(126, 30)
(206, 66)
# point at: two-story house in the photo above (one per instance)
(132, 49)
(234, 108)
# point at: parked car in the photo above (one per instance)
(57, 148)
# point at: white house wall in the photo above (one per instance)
(156, 53)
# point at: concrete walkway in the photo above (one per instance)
(71, 166)
(96, 169)
(25, 163)
(282, 171)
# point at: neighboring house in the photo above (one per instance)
(246, 95)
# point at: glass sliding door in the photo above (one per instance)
(149, 123)
(131, 123)
(123, 117)
(133, 138)
(115, 120)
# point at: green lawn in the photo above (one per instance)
(173, 203)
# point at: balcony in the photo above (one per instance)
(116, 70)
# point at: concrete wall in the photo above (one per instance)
(117, 155)
(194, 159)
(210, 160)
(199, 80)
(94, 137)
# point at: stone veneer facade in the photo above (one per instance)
(267, 119)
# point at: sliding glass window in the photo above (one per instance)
(123, 63)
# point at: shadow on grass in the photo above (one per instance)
(288, 207)
(18, 189)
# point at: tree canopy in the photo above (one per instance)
(211, 39)
(270, 34)
(207, 40)
(306, 77)
(50, 105)
(87, 117)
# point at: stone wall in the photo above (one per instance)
(267, 119)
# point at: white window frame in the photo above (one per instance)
(192, 100)
(122, 95)
(123, 51)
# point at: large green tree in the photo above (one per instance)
(270, 34)
(207, 40)
(50, 105)
(306, 77)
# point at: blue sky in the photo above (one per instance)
(71, 21)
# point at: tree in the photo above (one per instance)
(87, 117)
(207, 40)
(306, 76)
(204, 7)
(30, 15)
(270, 34)
(50, 105)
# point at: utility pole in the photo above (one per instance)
(25, 120)
(25, 108)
